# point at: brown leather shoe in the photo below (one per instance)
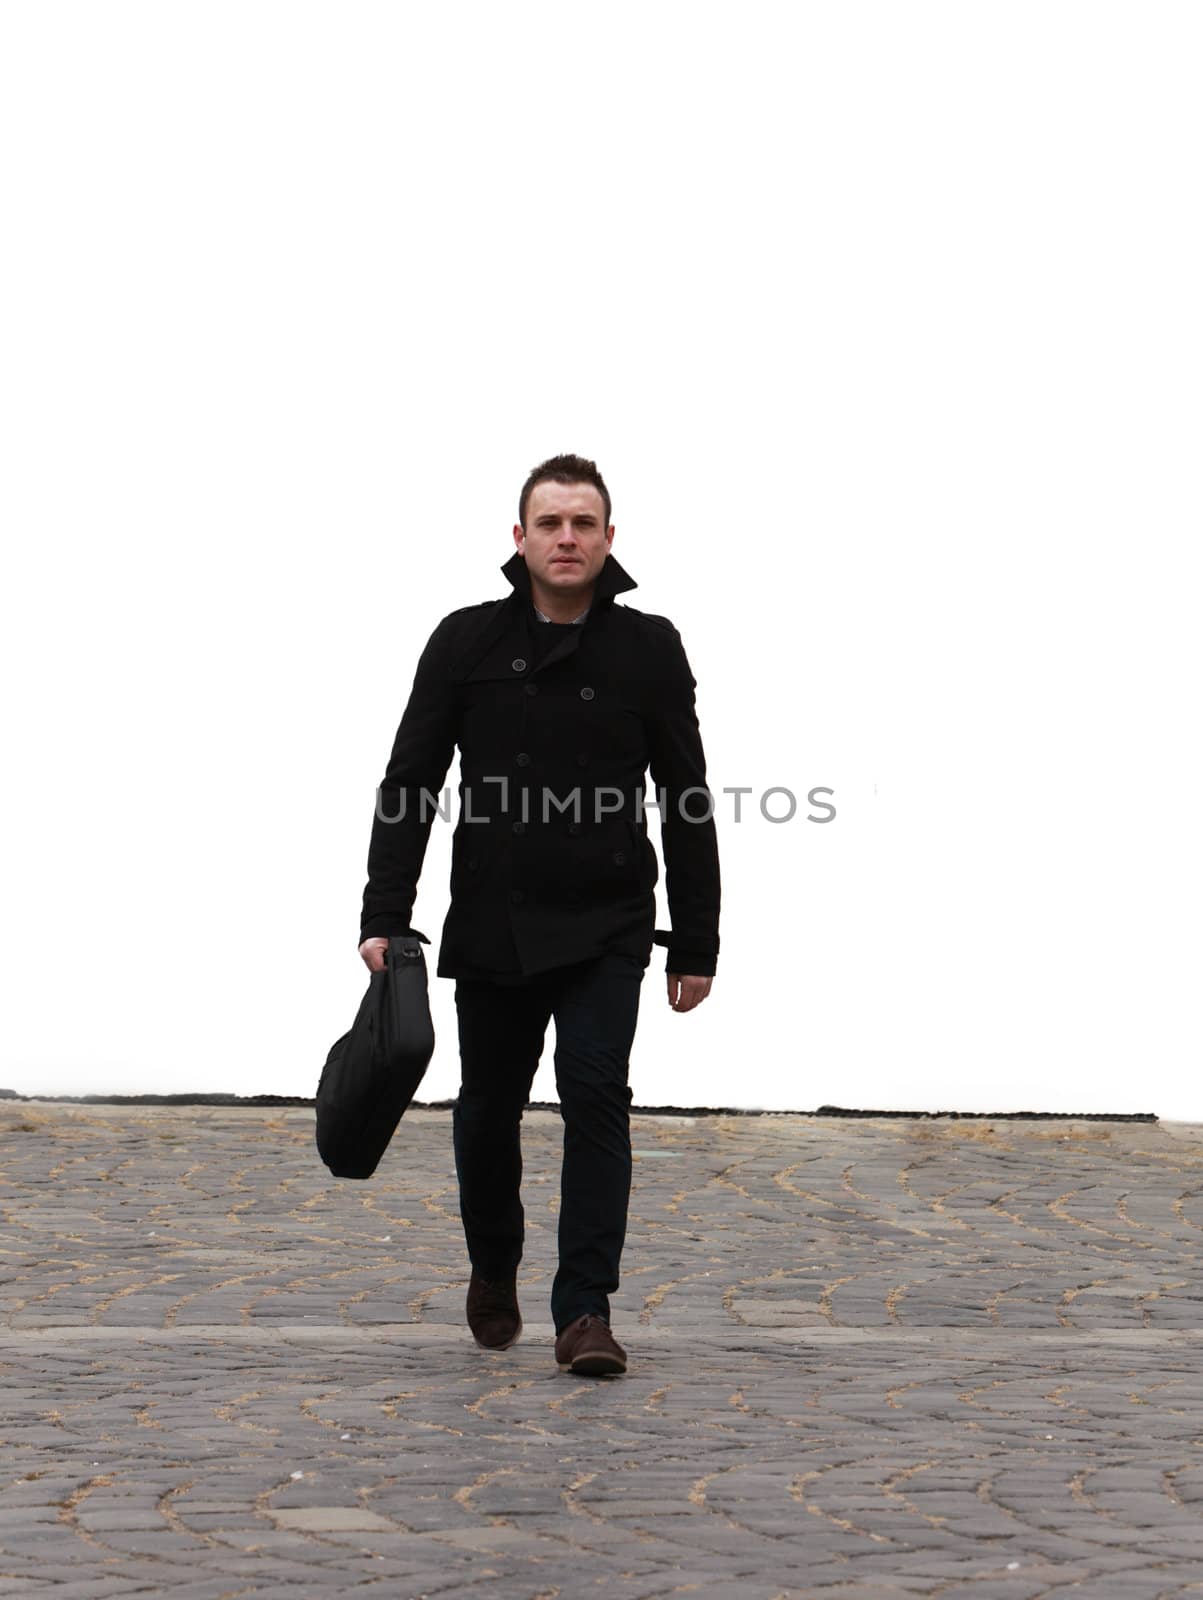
(493, 1313)
(588, 1348)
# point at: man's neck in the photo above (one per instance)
(561, 607)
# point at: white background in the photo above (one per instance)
(882, 322)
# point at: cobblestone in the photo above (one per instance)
(869, 1358)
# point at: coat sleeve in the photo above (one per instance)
(688, 834)
(401, 823)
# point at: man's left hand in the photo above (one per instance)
(685, 992)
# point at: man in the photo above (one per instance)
(560, 701)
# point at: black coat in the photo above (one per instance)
(612, 697)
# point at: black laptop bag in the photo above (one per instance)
(373, 1072)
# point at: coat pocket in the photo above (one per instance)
(643, 854)
(469, 858)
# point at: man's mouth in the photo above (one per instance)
(565, 561)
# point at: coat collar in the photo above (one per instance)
(611, 580)
(509, 633)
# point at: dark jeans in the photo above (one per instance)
(501, 1031)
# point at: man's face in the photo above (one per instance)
(566, 540)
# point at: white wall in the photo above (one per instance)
(883, 323)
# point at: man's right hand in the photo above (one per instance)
(373, 952)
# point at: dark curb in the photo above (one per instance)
(551, 1105)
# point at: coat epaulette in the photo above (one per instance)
(651, 616)
(467, 611)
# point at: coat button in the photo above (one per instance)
(472, 863)
(516, 896)
(586, 693)
(519, 827)
(522, 759)
(620, 857)
(518, 664)
(574, 827)
(582, 760)
(531, 688)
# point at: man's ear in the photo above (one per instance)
(519, 536)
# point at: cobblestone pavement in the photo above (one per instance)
(868, 1358)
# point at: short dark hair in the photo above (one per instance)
(564, 469)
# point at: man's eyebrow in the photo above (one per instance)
(581, 516)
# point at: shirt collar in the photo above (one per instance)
(542, 618)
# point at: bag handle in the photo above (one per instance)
(407, 945)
